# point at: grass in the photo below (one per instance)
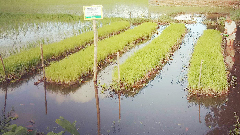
(213, 74)
(20, 63)
(59, 6)
(73, 68)
(136, 67)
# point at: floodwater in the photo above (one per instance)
(162, 107)
(35, 33)
(31, 34)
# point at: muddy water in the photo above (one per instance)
(159, 108)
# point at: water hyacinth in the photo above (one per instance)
(71, 69)
(213, 74)
(146, 59)
(23, 62)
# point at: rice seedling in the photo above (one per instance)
(141, 64)
(207, 55)
(28, 60)
(73, 68)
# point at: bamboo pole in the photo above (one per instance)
(95, 50)
(42, 61)
(118, 67)
(200, 74)
(3, 67)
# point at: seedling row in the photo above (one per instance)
(207, 74)
(29, 60)
(74, 68)
(137, 69)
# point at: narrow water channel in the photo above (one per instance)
(161, 107)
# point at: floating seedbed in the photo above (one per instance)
(207, 73)
(138, 69)
(29, 60)
(75, 68)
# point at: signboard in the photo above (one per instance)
(93, 12)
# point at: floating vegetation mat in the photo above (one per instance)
(207, 74)
(143, 64)
(75, 68)
(29, 60)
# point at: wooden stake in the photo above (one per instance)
(118, 67)
(3, 67)
(42, 61)
(95, 50)
(200, 74)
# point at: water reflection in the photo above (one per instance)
(45, 90)
(97, 106)
(119, 104)
(5, 101)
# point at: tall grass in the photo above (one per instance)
(71, 69)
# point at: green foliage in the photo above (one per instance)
(235, 15)
(213, 73)
(18, 64)
(147, 58)
(67, 126)
(59, 6)
(19, 130)
(16, 130)
(81, 63)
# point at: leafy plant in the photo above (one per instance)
(71, 128)
(72, 68)
(65, 124)
(213, 74)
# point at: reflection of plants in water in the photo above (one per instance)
(65, 90)
(115, 88)
(208, 101)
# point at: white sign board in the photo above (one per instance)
(93, 12)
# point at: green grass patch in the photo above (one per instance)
(20, 63)
(213, 74)
(149, 57)
(71, 69)
(60, 6)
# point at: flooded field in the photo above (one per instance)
(162, 107)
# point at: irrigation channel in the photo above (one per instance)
(162, 107)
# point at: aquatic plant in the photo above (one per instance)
(26, 61)
(71, 69)
(207, 73)
(137, 67)
(236, 130)
(14, 129)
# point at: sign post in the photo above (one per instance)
(92, 13)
